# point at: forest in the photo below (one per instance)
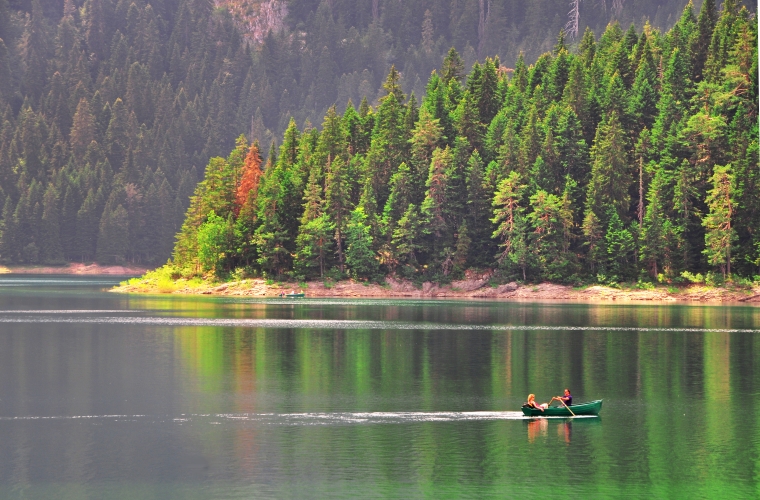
(633, 155)
(112, 111)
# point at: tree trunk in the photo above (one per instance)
(641, 193)
(338, 240)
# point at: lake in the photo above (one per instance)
(127, 396)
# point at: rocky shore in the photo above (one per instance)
(475, 288)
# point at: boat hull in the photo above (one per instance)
(590, 408)
(294, 295)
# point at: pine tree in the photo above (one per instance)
(433, 208)
(551, 219)
(50, 246)
(315, 233)
(654, 235)
(610, 179)
(406, 237)
(250, 176)
(477, 217)
(620, 247)
(720, 235)
(8, 237)
(510, 222)
(360, 258)
(426, 137)
(338, 203)
(453, 67)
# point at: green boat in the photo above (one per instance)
(294, 295)
(590, 408)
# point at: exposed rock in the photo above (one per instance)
(256, 18)
(401, 286)
(469, 285)
(509, 287)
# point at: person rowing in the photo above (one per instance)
(566, 400)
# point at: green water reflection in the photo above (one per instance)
(680, 407)
(239, 412)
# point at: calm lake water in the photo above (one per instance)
(116, 396)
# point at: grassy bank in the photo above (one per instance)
(163, 281)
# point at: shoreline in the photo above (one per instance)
(76, 268)
(471, 288)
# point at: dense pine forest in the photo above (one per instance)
(631, 155)
(110, 110)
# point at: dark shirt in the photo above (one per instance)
(568, 399)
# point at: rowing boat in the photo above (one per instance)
(295, 295)
(590, 408)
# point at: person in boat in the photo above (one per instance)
(532, 403)
(567, 399)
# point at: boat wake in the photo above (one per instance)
(296, 419)
(70, 316)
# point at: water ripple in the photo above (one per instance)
(323, 324)
(300, 419)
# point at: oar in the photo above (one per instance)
(568, 408)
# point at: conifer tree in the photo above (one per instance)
(433, 208)
(360, 258)
(720, 235)
(551, 220)
(453, 67)
(250, 176)
(511, 224)
(406, 237)
(338, 204)
(50, 246)
(654, 235)
(610, 179)
(480, 249)
(316, 232)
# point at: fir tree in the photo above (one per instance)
(720, 235)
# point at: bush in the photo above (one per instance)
(166, 286)
(239, 274)
(742, 282)
(693, 278)
(645, 285)
(714, 279)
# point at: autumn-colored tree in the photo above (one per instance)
(249, 179)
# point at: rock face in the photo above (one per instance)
(256, 18)
(469, 285)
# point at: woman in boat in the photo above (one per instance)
(532, 403)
